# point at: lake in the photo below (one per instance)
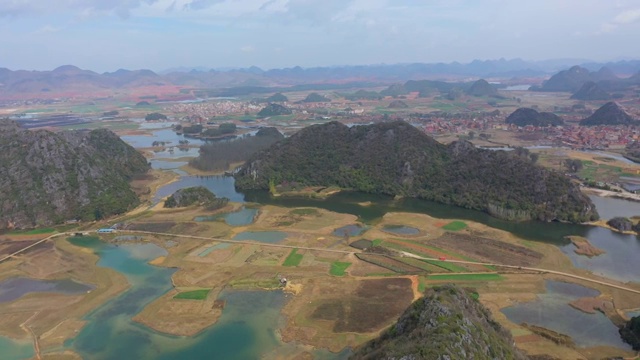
(246, 329)
(552, 311)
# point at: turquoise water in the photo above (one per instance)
(401, 230)
(245, 330)
(270, 237)
(15, 350)
(553, 312)
(349, 230)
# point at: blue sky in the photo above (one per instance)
(105, 35)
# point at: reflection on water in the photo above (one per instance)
(552, 311)
(221, 186)
(165, 135)
(621, 251)
(611, 207)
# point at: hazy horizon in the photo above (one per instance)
(104, 35)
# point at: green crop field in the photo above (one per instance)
(447, 266)
(193, 295)
(466, 277)
(338, 268)
(293, 259)
(32, 232)
(455, 225)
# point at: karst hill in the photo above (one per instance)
(395, 158)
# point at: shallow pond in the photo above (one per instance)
(349, 230)
(552, 311)
(16, 350)
(611, 207)
(401, 230)
(271, 237)
(621, 251)
(15, 288)
(246, 329)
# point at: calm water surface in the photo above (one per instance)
(552, 311)
(245, 330)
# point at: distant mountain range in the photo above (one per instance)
(575, 78)
(72, 79)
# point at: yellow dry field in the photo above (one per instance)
(324, 309)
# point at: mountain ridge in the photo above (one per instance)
(396, 159)
(47, 178)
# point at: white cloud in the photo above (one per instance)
(247, 49)
(627, 17)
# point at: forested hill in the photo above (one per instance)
(447, 323)
(397, 159)
(47, 178)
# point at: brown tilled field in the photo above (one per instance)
(374, 303)
(485, 249)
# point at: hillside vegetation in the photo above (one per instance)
(447, 323)
(397, 159)
(47, 178)
(197, 195)
(528, 116)
(609, 114)
(220, 155)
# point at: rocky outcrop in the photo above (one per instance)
(609, 114)
(198, 195)
(482, 88)
(47, 178)
(447, 323)
(528, 116)
(274, 110)
(398, 104)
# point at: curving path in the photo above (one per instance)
(404, 254)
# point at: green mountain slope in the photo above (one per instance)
(47, 178)
(397, 159)
(447, 323)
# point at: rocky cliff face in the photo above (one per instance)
(397, 159)
(47, 178)
(447, 323)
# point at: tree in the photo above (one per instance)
(472, 135)
(573, 165)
